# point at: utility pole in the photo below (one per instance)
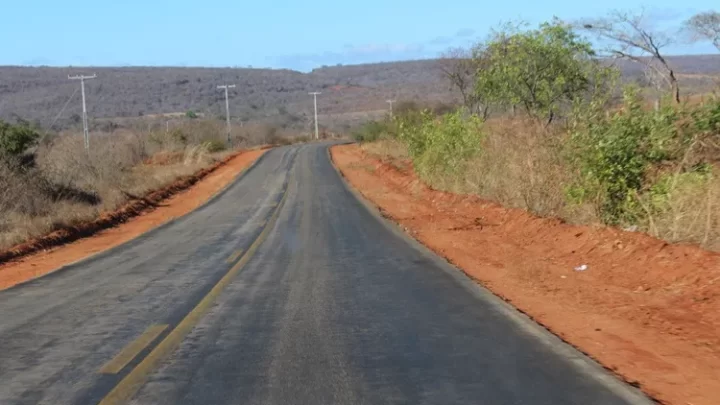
(86, 133)
(227, 108)
(391, 103)
(315, 94)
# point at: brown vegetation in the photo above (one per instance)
(82, 224)
(57, 187)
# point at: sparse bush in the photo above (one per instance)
(66, 184)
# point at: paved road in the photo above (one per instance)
(330, 306)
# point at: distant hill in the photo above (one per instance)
(39, 94)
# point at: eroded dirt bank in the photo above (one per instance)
(645, 309)
(39, 257)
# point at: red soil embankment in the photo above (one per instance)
(645, 309)
(43, 255)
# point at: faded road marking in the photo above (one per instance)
(134, 380)
(234, 256)
(130, 351)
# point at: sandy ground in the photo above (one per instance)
(132, 220)
(647, 310)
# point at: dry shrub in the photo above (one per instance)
(67, 185)
(22, 191)
(686, 212)
(520, 166)
(387, 149)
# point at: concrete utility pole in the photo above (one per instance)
(227, 108)
(315, 94)
(391, 103)
(86, 133)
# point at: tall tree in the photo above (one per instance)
(705, 26)
(629, 36)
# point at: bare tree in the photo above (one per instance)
(460, 67)
(705, 26)
(629, 37)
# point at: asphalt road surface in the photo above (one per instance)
(285, 289)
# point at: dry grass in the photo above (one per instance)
(690, 214)
(522, 166)
(387, 149)
(67, 186)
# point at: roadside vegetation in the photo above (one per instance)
(547, 124)
(49, 181)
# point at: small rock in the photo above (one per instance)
(581, 267)
(631, 228)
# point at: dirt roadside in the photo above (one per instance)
(39, 257)
(646, 310)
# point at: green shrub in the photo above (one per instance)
(374, 130)
(16, 139)
(615, 155)
(441, 145)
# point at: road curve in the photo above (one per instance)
(284, 290)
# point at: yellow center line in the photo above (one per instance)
(234, 256)
(132, 350)
(128, 386)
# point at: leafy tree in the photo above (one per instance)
(541, 70)
(16, 139)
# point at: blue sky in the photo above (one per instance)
(280, 34)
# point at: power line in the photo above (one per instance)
(315, 94)
(64, 107)
(86, 133)
(227, 107)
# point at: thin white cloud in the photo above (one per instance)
(465, 32)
